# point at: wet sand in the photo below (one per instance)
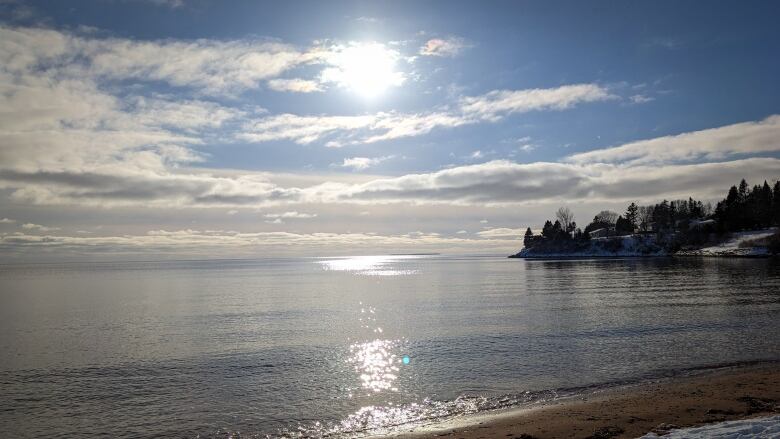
(632, 411)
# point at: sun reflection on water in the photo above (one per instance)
(370, 265)
(376, 364)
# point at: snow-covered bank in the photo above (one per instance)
(735, 245)
(740, 244)
(616, 246)
(747, 428)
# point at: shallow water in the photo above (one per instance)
(318, 346)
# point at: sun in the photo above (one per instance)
(367, 69)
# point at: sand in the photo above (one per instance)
(632, 411)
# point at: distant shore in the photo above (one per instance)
(632, 411)
(739, 245)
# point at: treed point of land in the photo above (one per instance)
(669, 227)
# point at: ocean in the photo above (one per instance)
(355, 345)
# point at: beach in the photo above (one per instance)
(632, 411)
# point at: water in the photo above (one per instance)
(318, 346)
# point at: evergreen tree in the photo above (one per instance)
(776, 204)
(557, 230)
(765, 205)
(623, 226)
(528, 238)
(662, 216)
(547, 229)
(632, 216)
(743, 190)
(730, 210)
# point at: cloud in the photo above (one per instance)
(293, 214)
(173, 4)
(448, 47)
(39, 228)
(710, 144)
(295, 85)
(501, 232)
(362, 163)
(371, 128)
(7, 221)
(302, 129)
(640, 99)
(502, 182)
(528, 147)
(497, 103)
(218, 242)
(211, 66)
(496, 182)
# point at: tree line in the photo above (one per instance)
(689, 221)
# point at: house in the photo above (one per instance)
(602, 233)
(700, 224)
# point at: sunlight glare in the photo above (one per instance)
(365, 68)
(376, 364)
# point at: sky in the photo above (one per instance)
(154, 129)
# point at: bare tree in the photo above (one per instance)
(607, 217)
(706, 209)
(566, 217)
(645, 217)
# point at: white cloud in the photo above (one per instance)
(292, 214)
(447, 47)
(7, 221)
(710, 144)
(302, 129)
(295, 85)
(497, 103)
(501, 232)
(213, 66)
(528, 147)
(242, 243)
(492, 183)
(173, 4)
(38, 227)
(362, 163)
(382, 126)
(502, 182)
(640, 99)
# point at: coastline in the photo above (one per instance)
(637, 246)
(673, 255)
(630, 411)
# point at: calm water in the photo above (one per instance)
(319, 346)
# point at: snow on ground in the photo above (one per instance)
(731, 247)
(768, 427)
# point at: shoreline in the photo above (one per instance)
(629, 411)
(724, 256)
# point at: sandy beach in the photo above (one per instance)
(632, 411)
